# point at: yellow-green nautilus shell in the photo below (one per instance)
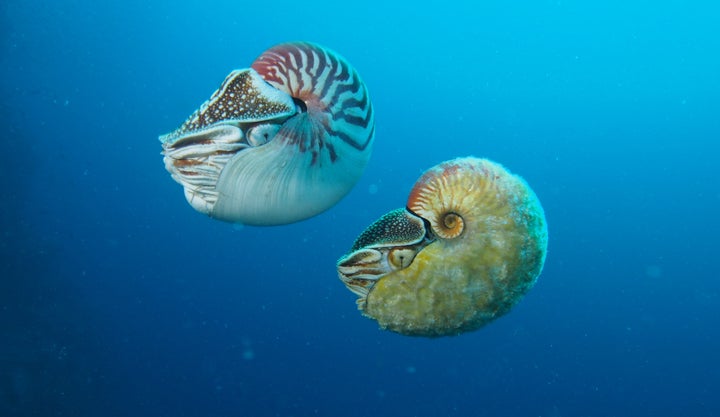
(278, 142)
(471, 242)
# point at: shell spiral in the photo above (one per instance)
(327, 89)
(438, 198)
(485, 249)
(279, 142)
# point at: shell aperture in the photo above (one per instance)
(387, 245)
(279, 142)
(483, 245)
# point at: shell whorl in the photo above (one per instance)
(452, 193)
(333, 102)
(433, 197)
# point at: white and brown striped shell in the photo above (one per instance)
(277, 143)
(469, 244)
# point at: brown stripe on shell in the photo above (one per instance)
(446, 194)
(337, 104)
(432, 198)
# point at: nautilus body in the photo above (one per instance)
(471, 242)
(278, 142)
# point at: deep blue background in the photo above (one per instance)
(117, 299)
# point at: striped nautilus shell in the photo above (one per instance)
(470, 243)
(278, 142)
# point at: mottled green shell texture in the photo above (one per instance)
(484, 246)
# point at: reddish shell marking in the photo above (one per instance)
(335, 99)
(433, 199)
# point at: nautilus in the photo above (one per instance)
(278, 142)
(470, 243)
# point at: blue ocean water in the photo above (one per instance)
(116, 298)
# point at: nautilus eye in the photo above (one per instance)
(278, 142)
(483, 245)
(400, 258)
(261, 134)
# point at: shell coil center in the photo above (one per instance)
(453, 224)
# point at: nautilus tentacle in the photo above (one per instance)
(278, 142)
(476, 245)
(389, 244)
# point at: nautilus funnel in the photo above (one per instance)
(470, 243)
(278, 142)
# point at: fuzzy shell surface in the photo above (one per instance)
(460, 284)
